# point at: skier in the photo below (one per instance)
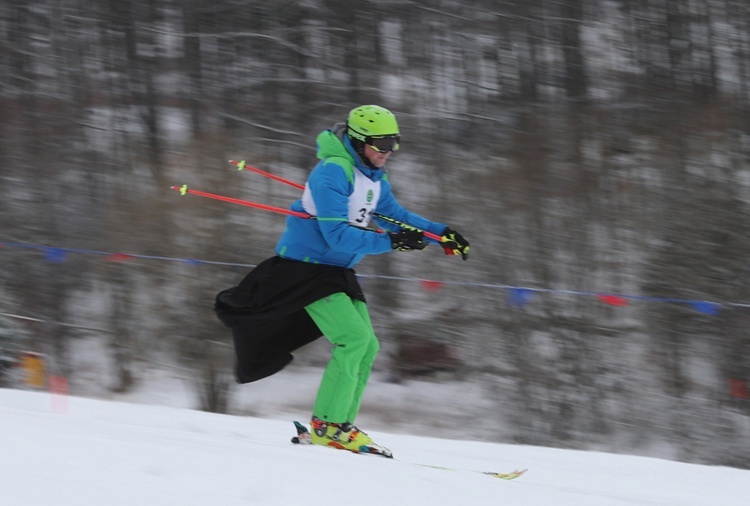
(309, 288)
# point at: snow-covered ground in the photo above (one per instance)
(71, 450)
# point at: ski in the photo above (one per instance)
(303, 437)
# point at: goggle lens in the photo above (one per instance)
(384, 144)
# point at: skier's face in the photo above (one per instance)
(377, 158)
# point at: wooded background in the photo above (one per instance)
(584, 148)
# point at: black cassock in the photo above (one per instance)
(266, 312)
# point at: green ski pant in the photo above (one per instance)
(346, 324)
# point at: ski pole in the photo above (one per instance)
(241, 165)
(184, 190)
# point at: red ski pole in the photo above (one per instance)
(184, 190)
(243, 166)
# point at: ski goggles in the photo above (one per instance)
(384, 144)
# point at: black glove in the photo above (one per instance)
(407, 240)
(454, 243)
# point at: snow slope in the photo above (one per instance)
(82, 452)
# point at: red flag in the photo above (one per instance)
(431, 286)
(613, 300)
(738, 389)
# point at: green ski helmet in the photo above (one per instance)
(368, 122)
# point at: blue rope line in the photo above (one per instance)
(124, 255)
(57, 254)
(567, 292)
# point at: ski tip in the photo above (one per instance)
(508, 476)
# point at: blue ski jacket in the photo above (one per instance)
(342, 193)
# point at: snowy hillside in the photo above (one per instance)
(87, 452)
